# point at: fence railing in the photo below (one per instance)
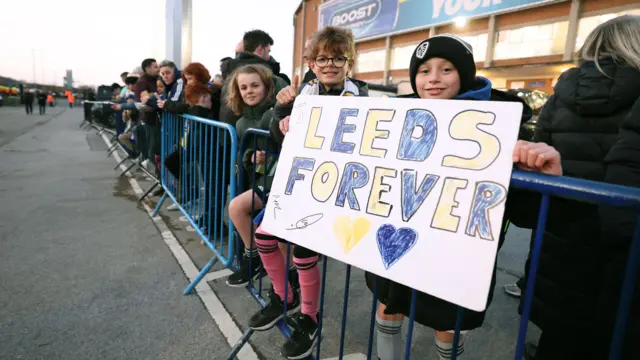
(198, 158)
(564, 187)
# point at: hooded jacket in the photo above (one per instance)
(431, 311)
(590, 121)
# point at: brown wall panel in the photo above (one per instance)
(368, 45)
(536, 14)
(375, 75)
(412, 37)
(596, 5)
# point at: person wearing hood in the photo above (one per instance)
(255, 49)
(592, 121)
(442, 67)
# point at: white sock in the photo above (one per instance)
(445, 349)
(389, 339)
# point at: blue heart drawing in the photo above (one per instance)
(394, 243)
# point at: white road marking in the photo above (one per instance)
(215, 308)
(357, 356)
(217, 275)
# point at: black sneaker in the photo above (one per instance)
(242, 276)
(273, 312)
(303, 338)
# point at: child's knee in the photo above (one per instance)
(235, 207)
(389, 317)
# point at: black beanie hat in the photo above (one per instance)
(449, 47)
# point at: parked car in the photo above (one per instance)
(536, 100)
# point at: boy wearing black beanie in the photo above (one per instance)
(442, 67)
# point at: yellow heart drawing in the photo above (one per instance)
(349, 233)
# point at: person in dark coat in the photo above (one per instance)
(173, 92)
(28, 102)
(144, 89)
(442, 67)
(42, 102)
(590, 121)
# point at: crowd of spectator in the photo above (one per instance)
(590, 129)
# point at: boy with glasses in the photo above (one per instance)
(331, 59)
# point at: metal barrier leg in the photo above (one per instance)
(113, 148)
(121, 162)
(146, 193)
(239, 344)
(200, 275)
(531, 280)
(633, 266)
(128, 168)
(157, 209)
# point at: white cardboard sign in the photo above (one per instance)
(412, 190)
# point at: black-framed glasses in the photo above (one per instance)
(338, 61)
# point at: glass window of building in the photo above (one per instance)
(479, 45)
(587, 24)
(370, 61)
(401, 56)
(531, 41)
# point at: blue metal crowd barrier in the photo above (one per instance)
(564, 187)
(250, 138)
(198, 159)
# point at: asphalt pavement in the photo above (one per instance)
(84, 273)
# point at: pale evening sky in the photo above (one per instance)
(99, 39)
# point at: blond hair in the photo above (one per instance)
(334, 40)
(618, 38)
(234, 99)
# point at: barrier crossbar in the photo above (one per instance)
(197, 172)
(547, 186)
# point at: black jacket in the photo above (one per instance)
(308, 76)
(583, 252)
(431, 311)
(42, 99)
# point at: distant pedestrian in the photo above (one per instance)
(42, 102)
(50, 99)
(28, 102)
(71, 99)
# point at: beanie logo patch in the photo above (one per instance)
(421, 51)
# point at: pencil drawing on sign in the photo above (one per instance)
(276, 205)
(305, 222)
(394, 243)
